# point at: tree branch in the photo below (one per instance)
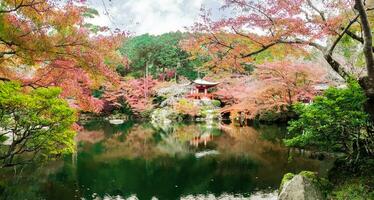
(22, 5)
(340, 36)
(355, 37)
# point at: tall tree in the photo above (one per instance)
(47, 43)
(367, 82)
(160, 56)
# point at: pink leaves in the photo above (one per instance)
(285, 19)
(276, 86)
(137, 93)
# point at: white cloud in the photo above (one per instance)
(150, 16)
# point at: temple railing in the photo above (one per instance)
(200, 96)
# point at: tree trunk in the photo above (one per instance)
(367, 82)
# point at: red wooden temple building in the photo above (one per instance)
(200, 89)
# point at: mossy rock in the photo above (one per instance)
(300, 188)
(287, 177)
(310, 175)
(323, 184)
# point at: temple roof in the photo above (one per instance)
(204, 82)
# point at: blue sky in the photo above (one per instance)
(150, 16)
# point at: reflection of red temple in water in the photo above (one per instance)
(200, 89)
(201, 139)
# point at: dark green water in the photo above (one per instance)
(183, 161)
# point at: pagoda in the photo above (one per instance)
(200, 89)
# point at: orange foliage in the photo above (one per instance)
(46, 43)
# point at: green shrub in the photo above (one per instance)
(216, 103)
(333, 122)
(39, 122)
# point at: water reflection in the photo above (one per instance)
(137, 161)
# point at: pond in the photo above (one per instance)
(179, 161)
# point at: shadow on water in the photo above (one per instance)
(188, 159)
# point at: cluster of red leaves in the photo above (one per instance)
(76, 84)
(137, 93)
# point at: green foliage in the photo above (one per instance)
(274, 115)
(352, 50)
(125, 108)
(216, 103)
(38, 121)
(352, 181)
(323, 184)
(121, 70)
(97, 93)
(158, 100)
(91, 13)
(333, 122)
(353, 191)
(93, 28)
(159, 54)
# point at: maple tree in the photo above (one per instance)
(137, 93)
(261, 28)
(47, 43)
(275, 87)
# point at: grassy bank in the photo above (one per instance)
(352, 182)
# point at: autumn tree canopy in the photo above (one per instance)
(47, 43)
(279, 28)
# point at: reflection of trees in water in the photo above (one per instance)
(139, 142)
(108, 129)
(260, 144)
(247, 141)
(201, 139)
(145, 142)
(196, 134)
(271, 155)
(163, 177)
(27, 183)
(148, 163)
(90, 136)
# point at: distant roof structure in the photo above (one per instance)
(204, 82)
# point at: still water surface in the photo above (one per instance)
(182, 161)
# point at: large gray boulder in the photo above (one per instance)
(300, 188)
